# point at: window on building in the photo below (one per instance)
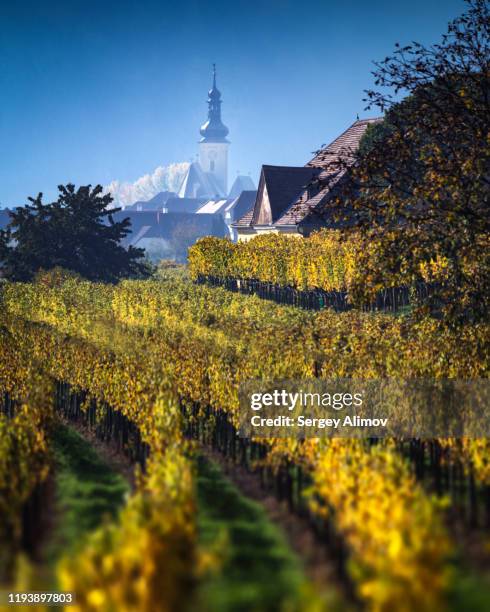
(212, 165)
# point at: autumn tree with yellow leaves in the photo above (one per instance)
(419, 184)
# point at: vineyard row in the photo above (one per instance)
(201, 329)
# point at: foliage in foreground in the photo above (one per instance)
(118, 567)
(219, 339)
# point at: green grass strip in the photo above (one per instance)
(87, 489)
(259, 572)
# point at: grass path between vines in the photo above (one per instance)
(259, 571)
(87, 489)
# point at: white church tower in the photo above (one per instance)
(213, 146)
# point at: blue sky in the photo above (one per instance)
(92, 91)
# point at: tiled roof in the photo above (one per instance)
(242, 205)
(326, 161)
(283, 184)
(342, 146)
(246, 219)
(303, 205)
(327, 158)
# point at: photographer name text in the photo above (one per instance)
(317, 423)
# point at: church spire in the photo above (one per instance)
(214, 130)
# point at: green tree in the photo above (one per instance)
(419, 184)
(76, 232)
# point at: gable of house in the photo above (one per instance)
(278, 187)
(293, 210)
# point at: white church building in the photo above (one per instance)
(203, 205)
(208, 177)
